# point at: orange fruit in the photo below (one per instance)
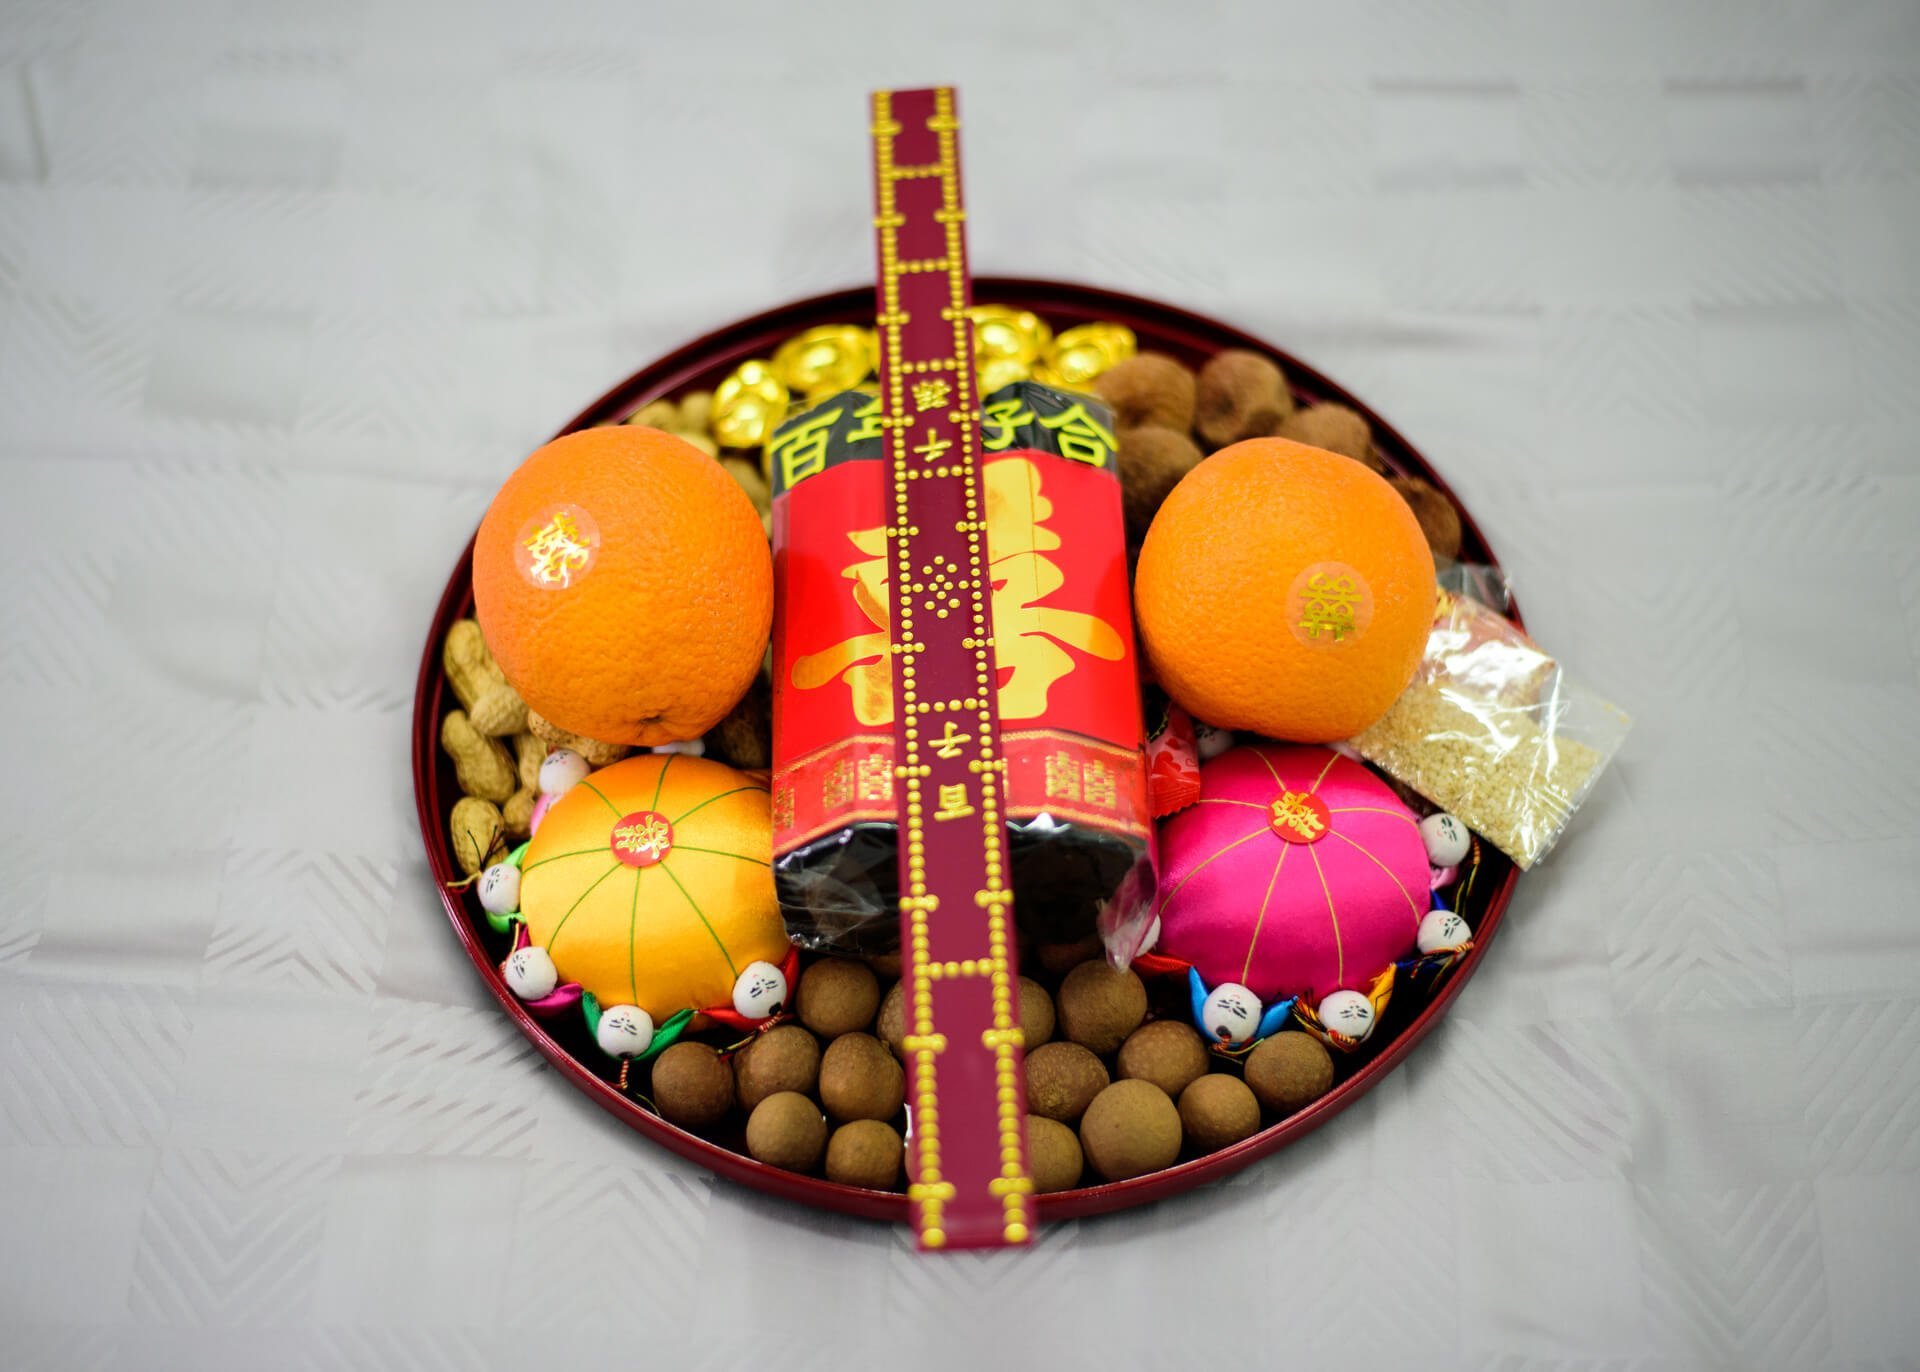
(1286, 590)
(651, 883)
(623, 581)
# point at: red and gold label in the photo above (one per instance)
(642, 839)
(1063, 637)
(1300, 817)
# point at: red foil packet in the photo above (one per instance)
(1069, 703)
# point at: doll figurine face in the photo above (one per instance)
(530, 973)
(761, 991)
(1446, 839)
(500, 888)
(1210, 742)
(562, 771)
(624, 1031)
(1231, 1014)
(1348, 1013)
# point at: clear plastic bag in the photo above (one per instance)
(1494, 731)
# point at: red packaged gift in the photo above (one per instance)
(1069, 702)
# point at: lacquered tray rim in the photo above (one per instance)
(674, 372)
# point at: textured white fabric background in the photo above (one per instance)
(285, 288)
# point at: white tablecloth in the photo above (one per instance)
(286, 288)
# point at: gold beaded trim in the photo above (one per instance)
(931, 1191)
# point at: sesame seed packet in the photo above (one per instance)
(1495, 731)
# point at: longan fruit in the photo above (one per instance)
(1240, 394)
(1062, 1079)
(1130, 1129)
(890, 1025)
(692, 1085)
(787, 1130)
(1167, 1053)
(1061, 958)
(1289, 1070)
(1335, 428)
(865, 1153)
(1151, 462)
(784, 1058)
(1054, 1159)
(1099, 1005)
(1148, 388)
(861, 1080)
(836, 996)
(1439, 520)
(1036, 1013)
(1218, 1109)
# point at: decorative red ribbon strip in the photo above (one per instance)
(966, 1158)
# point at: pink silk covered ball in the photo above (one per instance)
(1297, 872)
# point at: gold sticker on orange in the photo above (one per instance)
(557, 548)
(1328, 605)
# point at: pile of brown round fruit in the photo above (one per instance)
(1112, 1093)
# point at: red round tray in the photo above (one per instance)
(702, 364)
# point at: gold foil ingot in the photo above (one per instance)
(1001, 371)
(1080, 354)
(748, 404)
(825, 360)
(1001, 332)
